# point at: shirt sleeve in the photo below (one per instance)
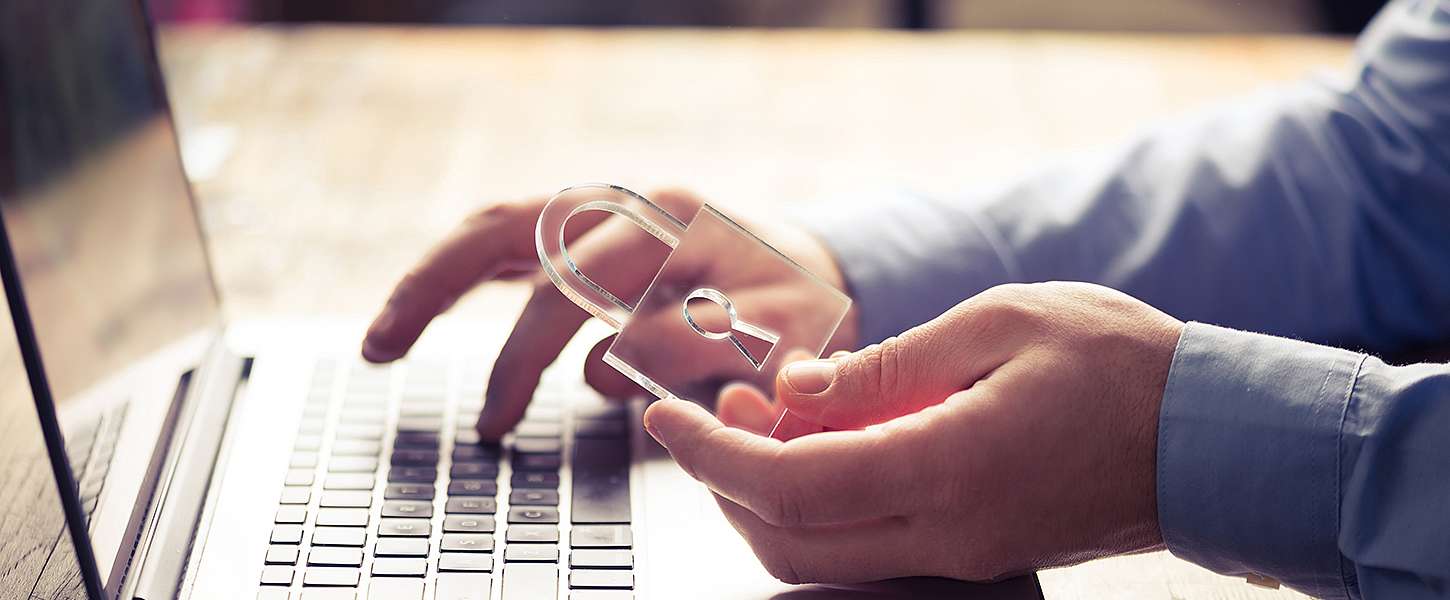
(1319, 211)
(1323, 468)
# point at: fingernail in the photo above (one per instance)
(649, 428)
(810, 377)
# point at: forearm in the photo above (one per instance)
(1319, 212)
(1322, 468)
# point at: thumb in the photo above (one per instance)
(896, 377)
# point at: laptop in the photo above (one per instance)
(150, 448)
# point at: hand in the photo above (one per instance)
(498, 244)
(1016, 431)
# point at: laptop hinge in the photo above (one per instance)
(166, 538)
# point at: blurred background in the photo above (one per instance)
(1338, 16)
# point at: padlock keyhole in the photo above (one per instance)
(722, 323)
(709, 317)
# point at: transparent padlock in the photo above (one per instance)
(711, 313)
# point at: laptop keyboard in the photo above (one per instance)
(90, 447)
(390, 495)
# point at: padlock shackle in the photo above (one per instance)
(561, 268)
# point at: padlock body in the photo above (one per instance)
(781, 312)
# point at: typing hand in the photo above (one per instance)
(1016, 431)
(498, 244)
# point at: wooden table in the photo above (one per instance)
(328, 159)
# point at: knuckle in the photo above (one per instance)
(878, 369)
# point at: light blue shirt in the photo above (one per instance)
(1319, 212)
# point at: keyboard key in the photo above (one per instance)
(406, 457)
(600, 410)
(300, 476)
(306, 459)
(600, 594)
(530, 580)
(409, 491)
(343, 517)
(276, 575)
(531, 553)
(329, 594)
(332, 576)
(467, 453)
(359, 431)
(601, 481)
(308, 442)
(601, 498)
(535, 480)
(468, 524)
(352, 464)
(533, 445)
(595, 428)
(339, 536)
(430, 406)
(595, 558)
(600, 536)
(296, 495)
(528, 497)
(400, 567)
(466, 436)
(346, 499)
(620, 580)
(466, 542)
(366, 414)
(335, 557)
(537, 462)
(394, 527)
(412, 474)
(417, 440)
(395, 588)
(532, 533)
(356, 448)
(538, 429)
(407, 508)
(287, 534)
(471, 506)
(428, 424)
(401, 547)
(472, 487)
(472, 586)
(282, 555)
(291, 514)
(273, 593)
(533, 514)
(465, 561)
(473, 470)
(348, 481)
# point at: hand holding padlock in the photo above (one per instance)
(699, 319)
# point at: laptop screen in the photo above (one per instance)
(105, 240)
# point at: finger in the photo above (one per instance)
(742, 406)
(492, 240)
(606, 379)
(900, 375)
(787, 484)
(619, 256)
(789, 426)
(850, 553)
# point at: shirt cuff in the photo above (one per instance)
(908, 258)
(1248, 450)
